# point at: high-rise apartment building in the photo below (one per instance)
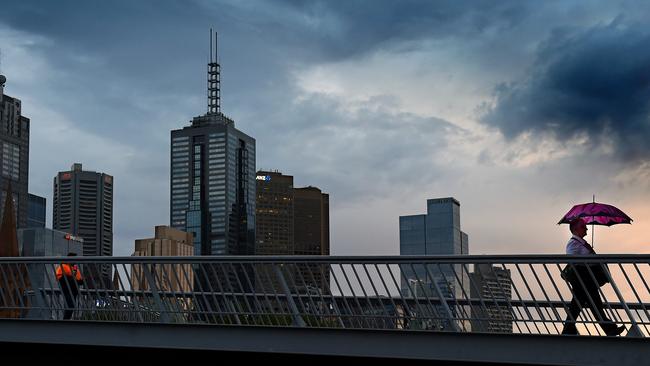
(435, 233)
(14, 153)
(83, 206)
(493, 285)
(212, 190)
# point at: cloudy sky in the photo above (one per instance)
(518, 109)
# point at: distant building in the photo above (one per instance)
(491, 283)
(14, 153)
(83, 206)
(437, 232)
(44, 242)
(177, 278)
(36, 211)
(274, 221)
(293, 221)
(312, 233)
(311, 221)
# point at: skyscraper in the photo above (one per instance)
(212, 187)
(292, 221)
(14, 153)
(274, 214)
(83, 206)
(435, 233)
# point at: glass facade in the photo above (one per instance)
(435, 233)
(180, 169)
(36, 211)
(43, 242)
(213, 186)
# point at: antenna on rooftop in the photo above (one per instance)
(214, 79)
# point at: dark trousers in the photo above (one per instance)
(590, 298)
(70, 292)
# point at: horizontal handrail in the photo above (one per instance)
(510, 258)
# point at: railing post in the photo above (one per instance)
(164, 317)
(297, 319)
(634, 329)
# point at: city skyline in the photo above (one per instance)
(407, 112)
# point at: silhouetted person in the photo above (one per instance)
(69, 278)
(585, 279)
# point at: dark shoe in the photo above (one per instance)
(616, 331)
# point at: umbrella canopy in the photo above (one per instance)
(595, 213)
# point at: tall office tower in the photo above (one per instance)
(312, 233)
(213, 179)
(212, 191)
(36, 211)
(435, 233)
(14, 153)
(491, 283)
(83, 206)
(292, 221)
(274, 214)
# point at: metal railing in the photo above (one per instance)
(523, 294)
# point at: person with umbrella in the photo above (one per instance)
(586, 279)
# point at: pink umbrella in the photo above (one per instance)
(595, 213)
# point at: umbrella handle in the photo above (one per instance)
(592, 225)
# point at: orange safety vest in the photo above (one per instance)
(68, 271)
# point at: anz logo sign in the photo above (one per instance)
(263, 177)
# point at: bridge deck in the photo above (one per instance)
(394, 344)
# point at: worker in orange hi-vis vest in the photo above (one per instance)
(69, 278)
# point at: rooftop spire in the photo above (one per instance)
(214, 79)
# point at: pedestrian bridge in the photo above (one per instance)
(499, 309)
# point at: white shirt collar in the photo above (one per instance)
(582, 240)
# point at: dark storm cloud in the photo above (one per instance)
(594, 82)
(350, 28)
